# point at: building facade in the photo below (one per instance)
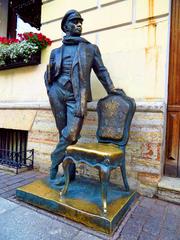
(134, 39)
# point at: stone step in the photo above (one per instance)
(169, 189)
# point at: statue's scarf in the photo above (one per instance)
(70, 40)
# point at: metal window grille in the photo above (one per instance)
(13, 149)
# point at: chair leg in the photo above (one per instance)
(104, 178)
(65, 164)
(123, 172)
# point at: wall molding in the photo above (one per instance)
(142, 106)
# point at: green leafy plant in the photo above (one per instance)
(17, 51)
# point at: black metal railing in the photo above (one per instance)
(17, 160)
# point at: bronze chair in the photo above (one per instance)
(115, 113)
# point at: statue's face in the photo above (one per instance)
(74, 27)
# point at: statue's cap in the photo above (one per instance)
(71, 14)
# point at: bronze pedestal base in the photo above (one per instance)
(82, 203)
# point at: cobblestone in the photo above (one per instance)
(168, 235)
(10, 181)
(131, 231)
(147, 236)
(170, 221)
(140, 212)
(161, 203)
(147, 202)
(148, 219)
(152, 226)
(173, 209)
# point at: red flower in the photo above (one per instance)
(4, 40)
(38, 38)
(30, 35)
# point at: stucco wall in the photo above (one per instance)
(132, 36)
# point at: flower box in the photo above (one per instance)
(24, 51)
(34, 60)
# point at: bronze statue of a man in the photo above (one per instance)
(67, 81)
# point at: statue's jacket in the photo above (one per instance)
(88, 57)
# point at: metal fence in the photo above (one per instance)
(17, 160)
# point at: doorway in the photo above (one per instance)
(172, 162)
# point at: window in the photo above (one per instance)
(12, 11)
(3, 17)
(21, 12)
(18, 16)
(13, 140)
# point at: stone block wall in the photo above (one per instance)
(144, 155)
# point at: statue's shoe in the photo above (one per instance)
(57, 181)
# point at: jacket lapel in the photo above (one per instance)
(58, 60)
(82, 59)
(76, 58)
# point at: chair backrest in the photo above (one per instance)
(115, 113)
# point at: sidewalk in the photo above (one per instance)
(149, 219)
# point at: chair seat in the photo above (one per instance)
(95, 152)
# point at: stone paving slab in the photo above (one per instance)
(17, 222)
(6, 206)
(148, 219)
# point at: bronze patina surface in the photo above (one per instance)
(68, 84)
(82, 203)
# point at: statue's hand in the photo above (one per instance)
(116, 91)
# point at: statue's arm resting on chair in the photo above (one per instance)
(103, 74)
